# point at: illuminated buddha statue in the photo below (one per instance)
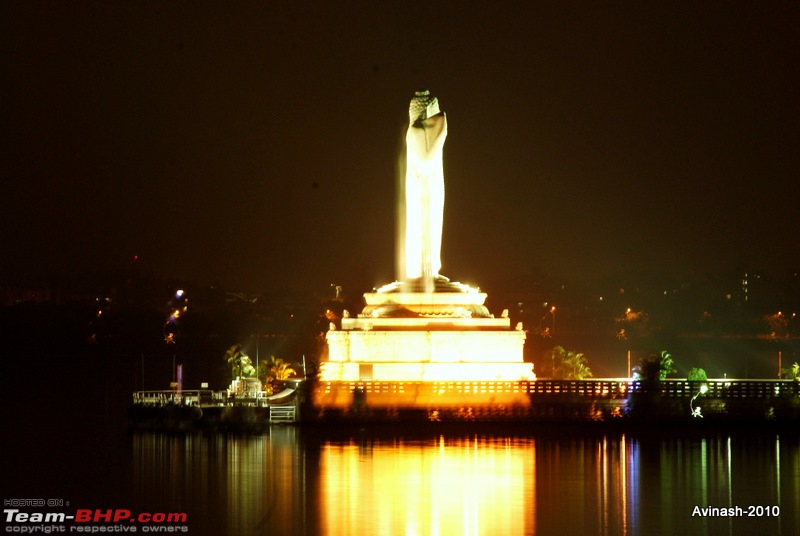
(424, 187)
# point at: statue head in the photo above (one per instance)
(422, 106)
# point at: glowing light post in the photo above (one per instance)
(170, 330)
(553, 312)
(629, 373)
(696, 410)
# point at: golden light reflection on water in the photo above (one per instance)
(291, 482)
(445, 486)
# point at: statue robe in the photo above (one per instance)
(424, 196)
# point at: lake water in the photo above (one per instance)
(294, 481)
(300, 480)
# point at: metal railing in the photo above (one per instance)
(593, 388)
(200, 397)
(278, 414)
(172, 396)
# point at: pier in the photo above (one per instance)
(183, 410)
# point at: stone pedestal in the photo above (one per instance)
(415, 336)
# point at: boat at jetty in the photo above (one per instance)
(205, 409)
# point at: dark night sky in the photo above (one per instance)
(255, 143)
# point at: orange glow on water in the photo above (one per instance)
(446, 486)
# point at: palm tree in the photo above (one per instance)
(791, 373)
(575, 367)
(667, 365)
(275, 370)
(567, 365)
(654, 368)
(241, 365)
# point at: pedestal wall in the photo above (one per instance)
(426, 355)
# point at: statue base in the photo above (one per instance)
(406, 335)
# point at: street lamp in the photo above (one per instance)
(553, 312)
(696, 410)
(630, 370)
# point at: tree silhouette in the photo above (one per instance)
(241, 365)
(655, 368)
(791, 373)
(567, 365)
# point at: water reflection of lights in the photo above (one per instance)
(447, 486)
(227, 484)
(630, 484)
(470, 484)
